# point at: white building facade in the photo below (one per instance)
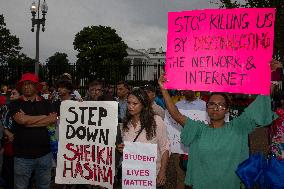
(145, 64)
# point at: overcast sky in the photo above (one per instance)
(140, 23)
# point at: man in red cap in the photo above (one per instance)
(31, 115)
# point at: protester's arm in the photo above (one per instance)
(176, 115)
(119, 142)
(119, 147)
(259, 112)
(161, 178)
(50, 119)
(23, 119)
(34, 121)
(9, 135)
(275, 64)
(163, 147)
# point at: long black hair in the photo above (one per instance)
(146, 115)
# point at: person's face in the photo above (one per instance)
(5, 89)
(95, 91)
(134, 105)
(29, 89)
(217, 108)
(188, 94)
(110, 91)
(14, 95)
(62, 91)
(122, 91)
(151, 95)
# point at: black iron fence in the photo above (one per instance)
(137, 74)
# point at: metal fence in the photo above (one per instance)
(138, 74)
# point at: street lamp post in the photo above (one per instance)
(38, 21)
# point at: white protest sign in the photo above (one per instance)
(86, 150)
(174, 129)
(139, 165)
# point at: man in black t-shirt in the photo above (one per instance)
(31, 115)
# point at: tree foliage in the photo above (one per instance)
(101, 53)
(21, 60)
(9, 47)
(11, 72)
(229, 4)
(57, 64)
(279, 19)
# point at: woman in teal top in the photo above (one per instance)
(216, 149)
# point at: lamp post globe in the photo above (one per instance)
(37, 21)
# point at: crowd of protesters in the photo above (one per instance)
(31, 108)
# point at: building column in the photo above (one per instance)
(131, 69)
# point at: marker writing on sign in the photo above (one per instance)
(90, 162)
(266, 21)
(216, 62)
(214, 77)
(139, 157)
(189, 23)
(229, 21)
(137, 182)
(88, 153)
(235, 42)
(209, 76)
(100, 136)
(138, 172)
(84, 131)
(88, 171)
(91, 112)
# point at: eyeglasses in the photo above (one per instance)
(215, 106)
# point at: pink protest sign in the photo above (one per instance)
(225, 50)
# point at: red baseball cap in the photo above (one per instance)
(30, 77)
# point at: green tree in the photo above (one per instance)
(57, 64)
(9, 47)
(229, 4)
(101, 53)
(15, 67)
(279, 19)
(22, 60)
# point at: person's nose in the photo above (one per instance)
(216, 108)
(130, 107)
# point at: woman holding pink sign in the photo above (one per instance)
(217, 148)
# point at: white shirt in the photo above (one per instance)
(77, 95)
(158, 110)
(197, 104)
(174, 129)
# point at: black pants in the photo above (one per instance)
(8, 171)
(160, 187)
